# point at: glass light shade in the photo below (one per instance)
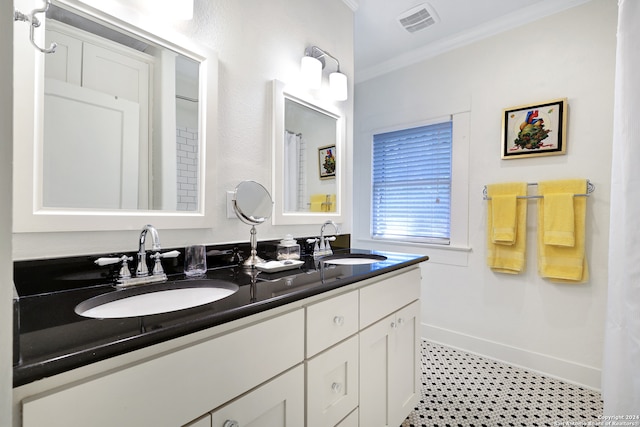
(338, 86)
(311, 71)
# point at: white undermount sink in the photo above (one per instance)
(352, 259)
(145, 301)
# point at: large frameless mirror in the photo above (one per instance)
(124, 116)
(308, 146)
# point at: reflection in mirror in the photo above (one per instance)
(86, 181)
(253, 205)
(309, 159)
(120, 120)
(308, 141)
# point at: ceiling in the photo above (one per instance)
(383, 45)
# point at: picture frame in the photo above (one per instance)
(327, 161)
(535, 130)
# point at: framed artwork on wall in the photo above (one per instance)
(327, 161)
(535, 130)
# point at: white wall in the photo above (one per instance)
(523, 319)
(6, 266)
(256, 42)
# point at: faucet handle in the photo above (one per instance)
(327, 246)
(124, 272)
(316, 249)
(170, 254)
(106, 261)
(157, 267)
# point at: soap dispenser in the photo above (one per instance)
(288, 249)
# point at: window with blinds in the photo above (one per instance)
(411, 198)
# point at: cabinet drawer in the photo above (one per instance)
(383, 298)
(177, 387)
(332, 384)
(331, 321)
(278, 403)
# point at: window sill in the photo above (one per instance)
(440, 254)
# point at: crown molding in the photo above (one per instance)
(496, 26)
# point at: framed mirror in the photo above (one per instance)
(114, 126)
(308, 158)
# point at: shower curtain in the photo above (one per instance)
(294, 172)
(621, 365)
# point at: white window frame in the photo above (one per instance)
(456, 253)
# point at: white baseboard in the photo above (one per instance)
(565, 370)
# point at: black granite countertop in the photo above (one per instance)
(51, 338)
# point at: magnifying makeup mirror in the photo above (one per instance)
(253, 205)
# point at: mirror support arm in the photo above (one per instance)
(253, 258)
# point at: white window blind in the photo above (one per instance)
(412, 184)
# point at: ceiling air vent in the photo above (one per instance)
(418, 18)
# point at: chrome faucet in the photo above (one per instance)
(324, 247)
(142, 276)
(142, 269)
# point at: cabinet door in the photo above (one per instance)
(332, 384)
(404, 369)
(374, 377)
(278, 403)
(389, 358)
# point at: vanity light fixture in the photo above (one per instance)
(312, 64)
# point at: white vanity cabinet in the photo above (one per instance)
(346, 358)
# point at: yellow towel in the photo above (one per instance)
(318, 198)
(559, 219)
(323, 203)
(315, 207)
(503, 219)
(508, 258)
(563, 263)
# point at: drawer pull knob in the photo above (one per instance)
(338, 320)
(393, 325)
(400, 321)
(231, 423)
(336, 387)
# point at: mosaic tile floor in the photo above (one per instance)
(464, 390)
